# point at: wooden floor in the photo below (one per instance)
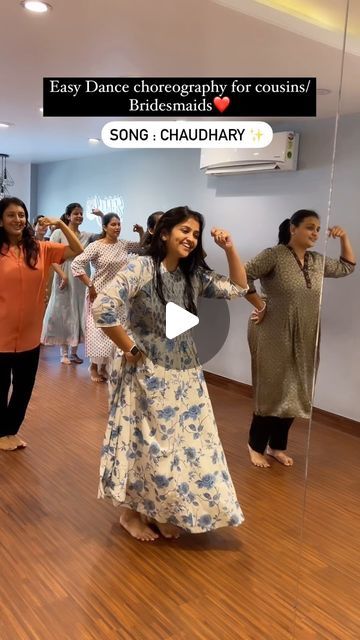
(67, 570)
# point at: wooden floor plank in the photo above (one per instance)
(67, 570)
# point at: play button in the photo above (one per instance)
(178, 320)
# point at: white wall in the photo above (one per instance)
(251, 207)
(20, 173)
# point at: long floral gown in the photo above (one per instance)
(162, 455)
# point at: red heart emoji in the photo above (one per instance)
(221, 103)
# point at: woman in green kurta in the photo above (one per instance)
(283, 329)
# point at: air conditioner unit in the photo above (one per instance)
(280, 155)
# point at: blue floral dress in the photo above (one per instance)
(162, 455)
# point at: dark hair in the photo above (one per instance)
(189, 265)
(106, 219)
(150, 224)
(70, 208)
(296, 219)
(28, 241)
(65, 218)
(94, 237)
(68, 211)
(153, 219)
(36, 220)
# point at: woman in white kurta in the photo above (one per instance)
(64, 321)
(162, 460)
(107, 256)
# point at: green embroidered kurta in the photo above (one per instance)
(284, 349)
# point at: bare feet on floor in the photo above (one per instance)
(21, 444)
(258, 459)
(280, 456)
(7, 443)
(133, 524)
(168, 530)
(10, 443)
(95, 376)
(103, 374)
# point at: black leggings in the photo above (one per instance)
(269, 430)
(18, 368)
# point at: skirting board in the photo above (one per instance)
(319, 415)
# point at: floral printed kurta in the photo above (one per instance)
(107, 260)
(162, 455)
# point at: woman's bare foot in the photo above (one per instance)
(280, 456)
(258, 459)
(131, 521)
(103, 373)
(94, 374)
(21, 444)
(65, 360)
(168, 530)
(75, 358)
(10, 443)
(7, 443)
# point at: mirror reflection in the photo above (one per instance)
(330, 556)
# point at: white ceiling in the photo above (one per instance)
(165, 38)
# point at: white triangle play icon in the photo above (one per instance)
(178, 320)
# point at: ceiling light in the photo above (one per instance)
(94, 140)
(41, 109)
(36, 6)
(323, 92)
(6, 125)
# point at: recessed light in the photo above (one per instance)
(36, 6)
(323, 92)
(6, 125)
(94, 140)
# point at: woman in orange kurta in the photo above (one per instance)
(24, 269)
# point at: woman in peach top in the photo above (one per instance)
(24, 269)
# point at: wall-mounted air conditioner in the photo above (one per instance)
(280, 155)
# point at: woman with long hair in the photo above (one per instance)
(107, 256)
(24, 269)
(162, 461)
(64, 322)
(151, 223)
(283, 329)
